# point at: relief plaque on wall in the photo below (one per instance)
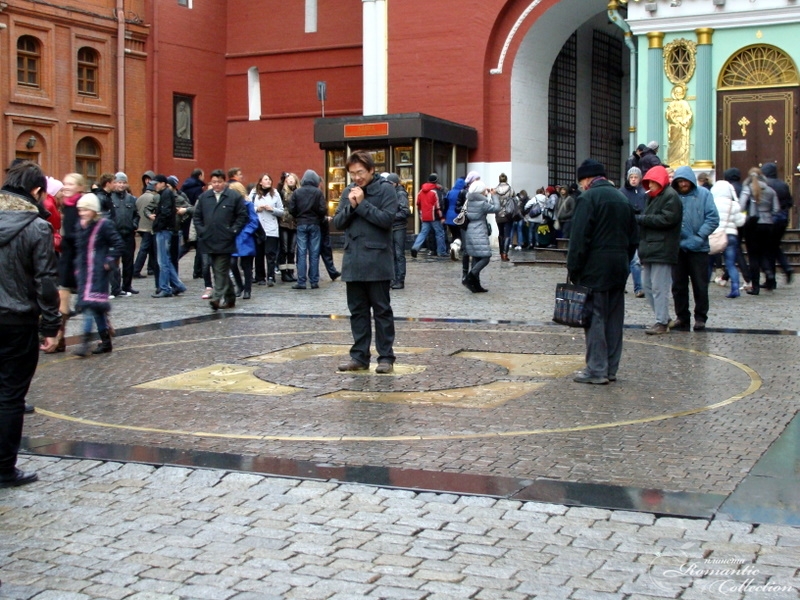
(182, 129)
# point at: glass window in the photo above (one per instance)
(88, 64)
(29, 58)
(87, 159)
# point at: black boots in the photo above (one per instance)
(104, 346)
(473, 284)
(287, 275)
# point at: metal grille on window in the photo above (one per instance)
(606, 120)
(562, 109)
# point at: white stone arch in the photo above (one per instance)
(253, 94)
(530, 80)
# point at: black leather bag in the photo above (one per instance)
(572, 305)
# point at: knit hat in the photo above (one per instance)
(641, 148)
(471, 176)
(160, 178)
(477, 187)
(89, 201)
(433, 177)
(393, 177)
(120, 176)
(634, 171)
(503, 178)
(653, 146)
(53, 186)
(173, 181)
(591, 168)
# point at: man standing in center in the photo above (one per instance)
(601, 247)
(219, 216)
(366, 212)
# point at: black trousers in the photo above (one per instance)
(363, 297)
(19, 355)
(287, 249)
(325, 248)
(122, 276)
(691, 267)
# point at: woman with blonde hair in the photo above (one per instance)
(288, 230)
(72, 191)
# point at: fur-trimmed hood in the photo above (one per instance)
(16, 213)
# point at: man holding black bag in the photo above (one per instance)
(601, 246)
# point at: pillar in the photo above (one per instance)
(655, 87)
(375, 59)
(704, 116)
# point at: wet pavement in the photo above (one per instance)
(699, 432)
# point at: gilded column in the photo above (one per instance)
(655, 87)
(704, 116)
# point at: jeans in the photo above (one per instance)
(19, 354)
(168, 282)
(636, 272)
(729, 256)
(438, 230)
(147, 251)
(399, 238)
(92, 316)
(504, 236)
(325, 248)
(520, 230)
(308, 240)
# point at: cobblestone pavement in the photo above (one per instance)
(693, 413)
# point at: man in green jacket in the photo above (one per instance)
(601, 246)
(659, 241)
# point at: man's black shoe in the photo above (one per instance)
(17, 478)
(413, 253)
(161, 295)
(29, 408)
(336, 276)
(678, 325)
(132, 291)
(398, 285)
(352, 366)
(246, 295)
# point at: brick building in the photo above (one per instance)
(66, 71)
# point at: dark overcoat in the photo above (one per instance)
(368, 243)
(218, 223)
(603, 238)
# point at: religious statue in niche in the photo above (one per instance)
(183, 120)
(679, 119)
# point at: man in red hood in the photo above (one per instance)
(431, 216)
(659, 242)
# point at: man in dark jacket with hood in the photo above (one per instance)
(219, 216)
(601, 247)
(307, 206)
(28, 304)
(700, 219)
(781, 220)
(649, 157)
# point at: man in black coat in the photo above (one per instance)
(366, 213)
(781, 220)
(601, 246)
(219, 216)
(28, 304)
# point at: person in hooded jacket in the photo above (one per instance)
(649, 157)
(734, 177)
(452, 213)
(29, 301)
(700, 219)
(659, 241)
(476, 238)
(308, 208)
(781, 220)
(399, 229)
(504, 218)
(429, 215)
(245, 253)
(731, 218)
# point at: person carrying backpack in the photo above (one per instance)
(504, 195)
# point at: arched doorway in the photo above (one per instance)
(758, 91)
(570, 85)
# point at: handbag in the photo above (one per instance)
(461, 218)
(718, 240)
(572, 305)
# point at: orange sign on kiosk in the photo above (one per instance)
(356, 130)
